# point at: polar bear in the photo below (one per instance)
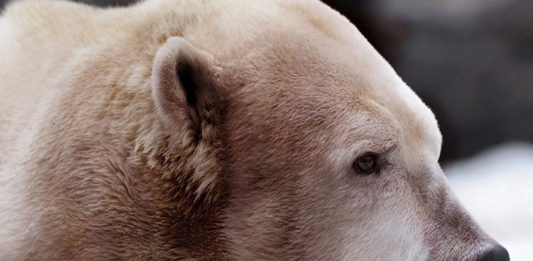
(215, 130)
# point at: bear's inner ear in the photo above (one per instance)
(182, 83)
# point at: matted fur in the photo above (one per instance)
(103, 159)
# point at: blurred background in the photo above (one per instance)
(471, 61)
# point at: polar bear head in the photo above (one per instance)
(327, 154)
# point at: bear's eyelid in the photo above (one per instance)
(367, 146)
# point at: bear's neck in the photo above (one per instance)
(125, 181)
(179, 184)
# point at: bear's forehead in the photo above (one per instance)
(333, 87)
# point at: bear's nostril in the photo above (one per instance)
(497, 253)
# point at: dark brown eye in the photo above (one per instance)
(366, 164)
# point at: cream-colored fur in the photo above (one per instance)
(214, 130)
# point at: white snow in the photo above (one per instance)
(496, 187)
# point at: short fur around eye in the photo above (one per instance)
(366, 164)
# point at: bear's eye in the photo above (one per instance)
(366, 164)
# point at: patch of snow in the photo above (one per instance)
(496, 187)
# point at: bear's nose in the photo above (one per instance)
(497, 253)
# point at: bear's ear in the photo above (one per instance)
(183, 83)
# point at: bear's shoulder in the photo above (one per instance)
(46, 17)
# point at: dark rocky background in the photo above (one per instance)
(471, 61)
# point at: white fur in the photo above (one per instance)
(307, 95)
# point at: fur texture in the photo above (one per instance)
(214, 130)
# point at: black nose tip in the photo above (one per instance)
(497, 253)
